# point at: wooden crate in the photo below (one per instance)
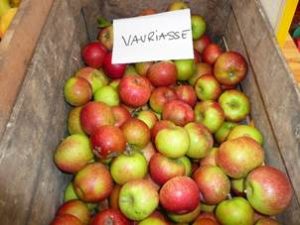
(31, 187)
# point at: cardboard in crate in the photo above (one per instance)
(33, 121)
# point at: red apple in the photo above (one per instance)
(134, 90)
(121, 115)
(239, 156)
(106, 37)
(108, 141)
(201, 43)
(187, 94)
(110, 216)
(201, 140)
(148, 11)
(162, 168)
(207, 88)
(93, 183)
(160, 96)
(114, 197)
(201, 69)
(197, 57)
(267, 221)
(75, 208)
(230, 68)
(213, 184)
(136, 132)
(179, 195)
(208, 217)
(66, 220)
(77, 91)
(73, 153)
(268, 190)
(113, 71)
(178, 112)
(142, 68)
(211, 53)
(159, 125)
(94, 115)
(162, 73)
(93, 54)
(210, 158)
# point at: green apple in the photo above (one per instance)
(138, 199)
(153, 221)
(186, 217)
(246, 130)
(130, 70)
(185, 69)
(235, 211)
(70, 193)
(177, 5)
(148, 117)
(222, 133)
(74, 125)
(238, 186)
(107, 94)
(187, 165)
(207, 208)
(134, 163)
(198, 26)
(142, 68)
(77, 91)
(173, 142)
(207, 88)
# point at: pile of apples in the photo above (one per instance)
(165, 142)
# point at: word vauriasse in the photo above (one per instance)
(154, 36)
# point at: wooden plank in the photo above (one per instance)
(279, 91)
(259, 115)
(16, 49)
(31, 187)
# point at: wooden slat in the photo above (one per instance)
(279, 91)
(31, 186)
(16, 49)
(258, 113)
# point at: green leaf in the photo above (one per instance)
(102, 22)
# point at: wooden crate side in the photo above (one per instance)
(31, 186)
(235, 42)
(16, 49)
(278, 88)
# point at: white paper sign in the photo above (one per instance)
(163, 36)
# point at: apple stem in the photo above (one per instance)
(229, 196)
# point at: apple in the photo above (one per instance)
(93, 183)
(94, 115)
(178, 112)
(187, 94)
(148, 151)
(138, 199)
(186, 217)
(211, 53)
(179, 195)
(77, 91)
(230, 68)
(96, 78)
(110, 216)
(121, 114)
(106, 37)
(93, 54)
(134, 90)
(185, 69)
(115, 83)
(268, 190)
(246, 130)
(159, 125)
(206, 218)
(197, 57)
(208, 208)
(210, 114)
(136, 132)
(213, 184)
(201, 140)
(239, 210)
(224, 130)
(267, 221)
(162, 73)
(177, 5)
(66, 220)
(227, 87)
(238, 186)
(108, 95)
(69, 193)
(160, 96)
(172, 142)
(75, 208)
(143, 67)
(210, 158)
(162, 168)
(130, 70)
(187, 165)
(74, 125)
(235, 104)
(207, 88)
(198, 26)
(148, 117)
(153, 220)
(73, 153)
(113, 71)
(147, 11)
(201, 43)
(128, 166)
(201, 69)
(108, 141)
(239, 156)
